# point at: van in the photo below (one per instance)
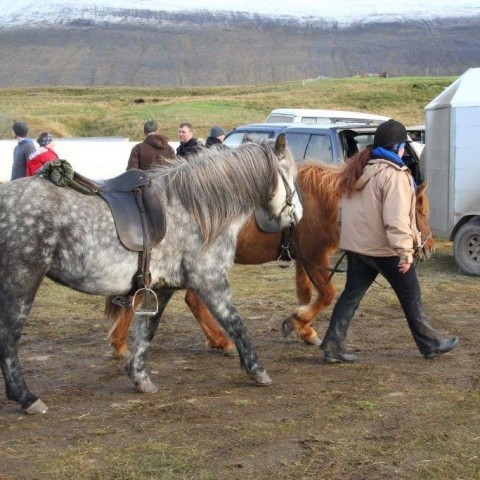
(324, 117)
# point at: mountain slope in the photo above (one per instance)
(192, 49)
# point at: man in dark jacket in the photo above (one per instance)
(152, 151)
(188, 144)
(22, 151)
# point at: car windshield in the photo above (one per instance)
(235, 139)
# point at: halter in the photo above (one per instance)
(420, 248)
(423, 238)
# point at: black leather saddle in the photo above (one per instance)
(136, 206)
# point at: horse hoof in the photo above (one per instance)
(146, 386)
(313, 341)
(121, 354)
(36, 407)
(262, 378)
(287, 327)
(230, 351)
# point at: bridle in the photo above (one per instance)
(290, 194)
(423, 238)
(421, 248)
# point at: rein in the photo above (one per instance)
(285, 255)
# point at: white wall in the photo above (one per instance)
(95, 158)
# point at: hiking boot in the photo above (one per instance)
(332, 357)
(444, 347)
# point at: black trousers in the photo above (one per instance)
(362, 270)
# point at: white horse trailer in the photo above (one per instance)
(452, 168)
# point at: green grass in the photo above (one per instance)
(107, 111)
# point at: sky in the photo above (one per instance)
(342, 11)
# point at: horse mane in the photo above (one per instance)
(321, 181)
(217, 186)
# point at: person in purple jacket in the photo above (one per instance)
(22, 150)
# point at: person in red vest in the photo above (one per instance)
(43, 155)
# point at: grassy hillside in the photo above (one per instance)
(106, 111)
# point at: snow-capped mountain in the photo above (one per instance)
(341, 12)
(224, 42)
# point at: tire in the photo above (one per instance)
(466, 248)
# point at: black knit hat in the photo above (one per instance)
(20, 129)
(389, 133)
(217, 131)
(150, 127)
(45, 139)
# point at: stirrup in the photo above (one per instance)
(149, 303)
(284, 260)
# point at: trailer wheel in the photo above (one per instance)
(466, 248)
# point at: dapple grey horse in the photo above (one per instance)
(46, 230)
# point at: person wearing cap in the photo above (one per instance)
(153, 151)
(24, 148)
(43, 155)
(379, 235)
(216, 138)
(189, 145)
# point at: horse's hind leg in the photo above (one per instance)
(217, 298)
(216, 337)
(118, 334)
(301, 320)
(146, 328)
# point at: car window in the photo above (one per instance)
(364, 139)
(280, 118)
(310, 120)
(310, 147)
(297, 144)
(319, 148)
(234, 139)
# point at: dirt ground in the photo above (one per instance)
(391, 415)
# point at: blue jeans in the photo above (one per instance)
(362, 270)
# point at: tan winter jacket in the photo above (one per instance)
(379, 218)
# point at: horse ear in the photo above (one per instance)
(247, 138)
(421, 188)
(280, 144)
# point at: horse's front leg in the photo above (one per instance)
(301, 320)
(146, 328)
(217, 297)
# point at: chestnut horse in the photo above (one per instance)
(313, 241)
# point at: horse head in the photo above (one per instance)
(422, 210)
(285, 204)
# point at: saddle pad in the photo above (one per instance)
(265, 222)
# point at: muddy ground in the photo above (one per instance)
(391, 415)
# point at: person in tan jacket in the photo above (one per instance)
(379, 235)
